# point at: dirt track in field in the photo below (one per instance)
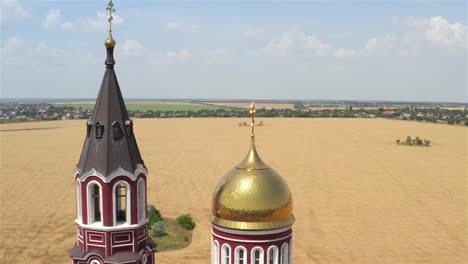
(358, 197)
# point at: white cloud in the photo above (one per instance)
(438, 31)
(296, 41)
(11, 13)
(131, 47)
(89, 24)
(181, 26)
(52, 19)
(219, 56)
(13, 49)
(253, 33)
(178, 55)
(17, 52)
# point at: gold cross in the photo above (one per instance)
(252, 114)
(111, 9)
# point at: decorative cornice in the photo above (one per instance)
(251, 232)
(108, 178)
(111, 228)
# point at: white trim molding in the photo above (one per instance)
(111, 228)
(251, 240)
(224, 255)
(236, 255)
(91, 202)
(261, 257)
(285, 259)
(275, 254)
(118, 172)
(251, 232)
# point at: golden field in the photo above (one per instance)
(358, 197)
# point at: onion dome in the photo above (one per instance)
(252, 195)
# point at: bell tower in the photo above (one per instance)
(110, 181)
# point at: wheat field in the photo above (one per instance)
(358, 197)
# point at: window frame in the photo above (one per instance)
(128, 198)
(141, 199)
(236, 252)
(79, 201)
(275, 253)
(91, 205)
(283, 251)
(252, 255)
(223, 254)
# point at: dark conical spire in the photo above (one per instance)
(110, 142)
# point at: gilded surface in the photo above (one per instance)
(252, 196)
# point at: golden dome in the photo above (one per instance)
(252, 196)
(110, 42)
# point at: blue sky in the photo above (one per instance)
(355, 50)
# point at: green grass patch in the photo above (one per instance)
(176, 238)
(155, 106)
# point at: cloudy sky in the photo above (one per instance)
(336, 49)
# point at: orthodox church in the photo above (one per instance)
(252, 214)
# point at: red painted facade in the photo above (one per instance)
(265, 242)
(106, 242)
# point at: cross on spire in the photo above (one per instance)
(111, 9)
(252, 114)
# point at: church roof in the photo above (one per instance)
(110, 143)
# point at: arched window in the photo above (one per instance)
(78, 201)
(272, 255)
(141, 191)
(215, 253)
(226, 254)
(284, 254)
(241, 255)
(257, 255)
(94, 203)
(121, 203)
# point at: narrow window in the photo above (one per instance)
(241, 257)
(226, 254)
(89, 125)
(121, 203)
(215, 253)
(285, 254)
(116, 131)
(273, 255)
(257, 256)
(141, 200)
(129, 127)
(94, 203)
(78, 201)
(99, 130)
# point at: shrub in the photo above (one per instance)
(427, 142)
(466, 122)
(159, 229)
(154, 215)
(409, 140)
(186, 222)
(398, 141)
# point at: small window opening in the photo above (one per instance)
(89, 125)
(99, 130)
(116, 131)
(129, 127)
(121, 203)
(96, 203)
